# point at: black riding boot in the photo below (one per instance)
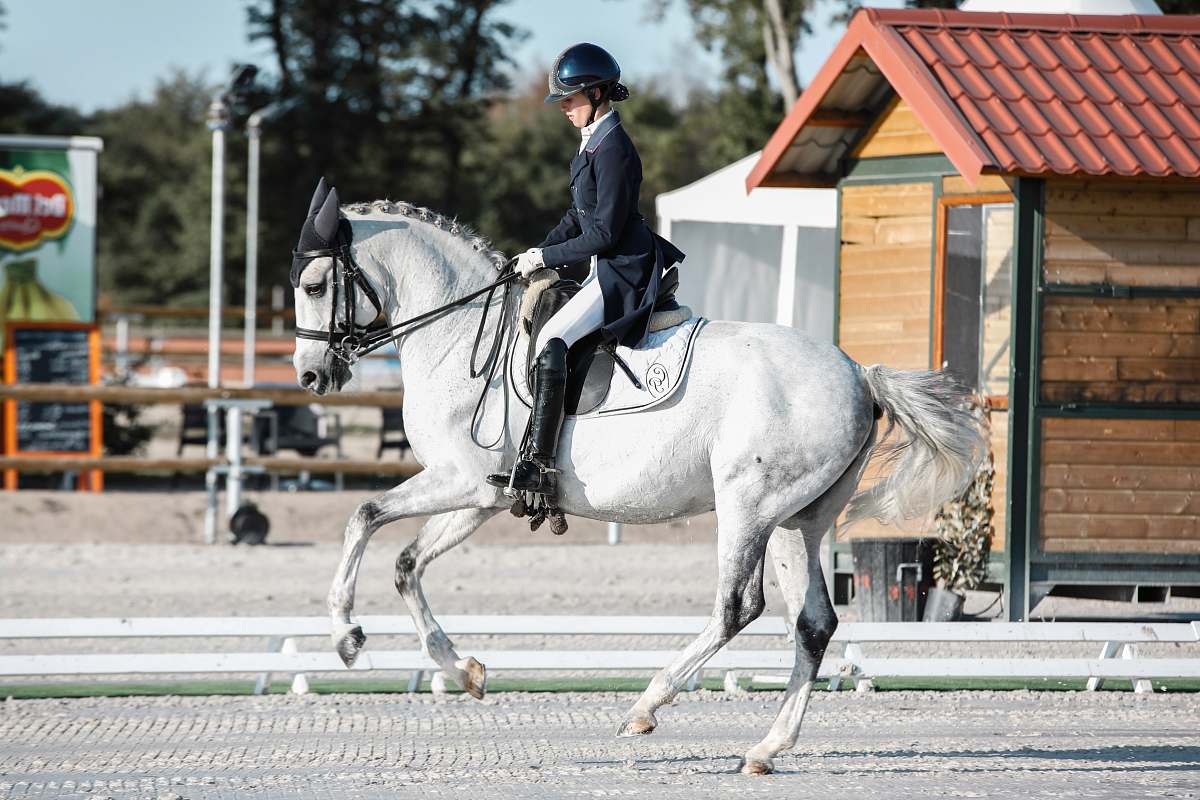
(535, 470)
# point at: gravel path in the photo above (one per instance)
(902, 744)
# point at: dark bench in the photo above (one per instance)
(300, 429)
(391, 431)
(193, 427)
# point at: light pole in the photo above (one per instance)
(218, 122)
(254, 135)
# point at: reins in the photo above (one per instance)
(349, 341)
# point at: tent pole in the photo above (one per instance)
(785, 304)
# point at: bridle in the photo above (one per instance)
(349, 341)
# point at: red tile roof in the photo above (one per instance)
(1029, 94)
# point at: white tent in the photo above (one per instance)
(764, 257)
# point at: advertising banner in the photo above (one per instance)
(47, 229)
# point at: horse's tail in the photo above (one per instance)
(941, 443)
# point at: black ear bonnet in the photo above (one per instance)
(322, 230)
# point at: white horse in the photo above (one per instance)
(772, 430)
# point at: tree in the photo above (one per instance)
(755, 37)
(383, 96)
(781, 28)
(342, 67)
(523, 162)
(463, 59)
(521, 167)
(24, 110)
(756, 40)
(155, 194)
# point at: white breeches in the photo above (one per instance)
(581, 315)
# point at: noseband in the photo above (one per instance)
(348, 341)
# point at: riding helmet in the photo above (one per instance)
(582, 66)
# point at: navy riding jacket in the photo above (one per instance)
(603, 220)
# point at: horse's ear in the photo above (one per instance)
(318, 197)
(326, 223)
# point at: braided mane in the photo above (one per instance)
(440, 221)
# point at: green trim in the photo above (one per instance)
(1130, 411)
(1114, 573)
(1022, 444)
(890, 168)
(1033, 476)
(997, 568)
(1121, 291)
(1139, 559)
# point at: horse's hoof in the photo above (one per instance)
(350, 643)
(637, 726)
(754, 766)
(474, 677)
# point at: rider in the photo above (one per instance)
(603, 223)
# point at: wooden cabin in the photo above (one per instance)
(1018, 204)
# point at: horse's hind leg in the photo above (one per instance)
(741, 549)
(796, 555)
(438, 535)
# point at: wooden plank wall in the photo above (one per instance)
(1121, 485)
(1128, 485)
(896, 132)
(984, 184)
(884, 283)
(1127, 233)
(1120, 350)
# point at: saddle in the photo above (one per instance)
(592, 360)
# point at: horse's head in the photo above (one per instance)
(325, 300)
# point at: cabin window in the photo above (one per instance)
(975, 274)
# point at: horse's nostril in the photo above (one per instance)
(308, 379)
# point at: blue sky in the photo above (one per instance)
(98, 53)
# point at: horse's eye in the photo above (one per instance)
(315, 289)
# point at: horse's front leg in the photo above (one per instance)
(440, 534)
(425, 493)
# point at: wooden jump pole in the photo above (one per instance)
(139, 464)
(193, 394)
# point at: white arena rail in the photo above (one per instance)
(1118, 657)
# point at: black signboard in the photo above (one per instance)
(51, 354)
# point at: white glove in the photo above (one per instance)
(529, 262)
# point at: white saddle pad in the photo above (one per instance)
(659, 363)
